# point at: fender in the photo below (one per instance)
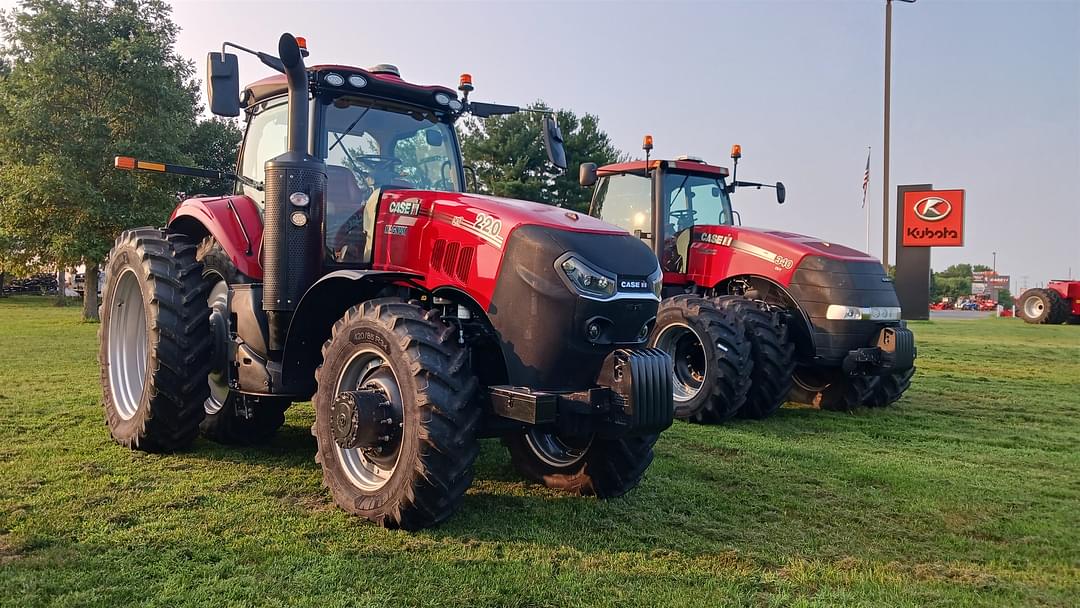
(236, 223)
(802, 333)
(321, 305)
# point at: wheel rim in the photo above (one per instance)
(690, 365)
(555, 451)
(1033, 307)
(218, 378)
(367, 469)
(128, 345)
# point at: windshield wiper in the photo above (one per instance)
(350, 128)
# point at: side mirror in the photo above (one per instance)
(223, 84)
(587, 174)
(781, 193)
(553, 143)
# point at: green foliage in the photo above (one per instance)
(981, 268)
(964, 494)
(508, 155)
(89, 80)
(215, 144)
(1004, 298)
(957, 270)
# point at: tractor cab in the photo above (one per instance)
(661, 201)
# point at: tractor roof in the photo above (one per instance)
(638, 166)
(382, 81)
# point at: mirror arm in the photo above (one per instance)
(268, 60)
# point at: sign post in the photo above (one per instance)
(925, 218)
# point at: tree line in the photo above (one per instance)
(82, 81)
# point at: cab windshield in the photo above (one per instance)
(694, 199)
(390, 146)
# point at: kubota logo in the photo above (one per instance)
(932, 209)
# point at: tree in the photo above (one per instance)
(215, 144)
(981, 268)
(508, 155)
(1004, 298)
(89, 80)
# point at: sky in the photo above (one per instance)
(986, 95)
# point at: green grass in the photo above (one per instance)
(966, 493)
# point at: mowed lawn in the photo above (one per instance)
(966, 493)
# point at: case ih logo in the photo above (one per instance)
(933, 218)
(933, 209)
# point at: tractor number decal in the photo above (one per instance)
(724, 240)
(760, 252)
(488, 224)
(485, 226)
(396, 229)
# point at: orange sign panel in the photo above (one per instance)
(933, 218)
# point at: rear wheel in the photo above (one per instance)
(231, 418)
(711, 357)
(829, 388)
(605, 468)
(417, 461)
(1038, 306)
(772, 354)
(154, 341)
(1059, 308)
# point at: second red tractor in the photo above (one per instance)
(754, 317)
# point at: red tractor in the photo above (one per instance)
(349, 268)
(753, 318)
(1058, 302)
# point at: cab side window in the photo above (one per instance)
(625, 200)
(267, 137)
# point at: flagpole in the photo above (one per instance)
(867, 207)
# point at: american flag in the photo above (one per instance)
(866, 178)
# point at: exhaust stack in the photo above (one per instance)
(294, 206)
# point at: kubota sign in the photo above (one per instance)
(933, 218)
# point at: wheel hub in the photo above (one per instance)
(363, 419)
(688, 356)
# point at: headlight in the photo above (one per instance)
(588, 281)
(837, 312)
(657, 282)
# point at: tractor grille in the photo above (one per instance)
(453, 259)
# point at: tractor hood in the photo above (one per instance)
(431, 233)
(758, 251)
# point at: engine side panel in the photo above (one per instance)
(236, 223)
(458, 240)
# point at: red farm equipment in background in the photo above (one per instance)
(1058, 302)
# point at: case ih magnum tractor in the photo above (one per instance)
(350, 268)
(1058, 302)
(753, 318)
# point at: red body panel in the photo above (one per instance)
(236, 223)
(721, 252)
(430, 232)
(1070, 291)
(638, 166)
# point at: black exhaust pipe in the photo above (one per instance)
(294, 206)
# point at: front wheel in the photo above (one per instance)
(887, 390)
(710, 356)
(394, 417)
(591, 466)
(829, 388)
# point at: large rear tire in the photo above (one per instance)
(887, 390)
(605, 468)
(711, 357)
(418, 474)
(1041, 306)
(231, 418)
(1059, 307)
(154, 341)
(829, 388)
(772, 354)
